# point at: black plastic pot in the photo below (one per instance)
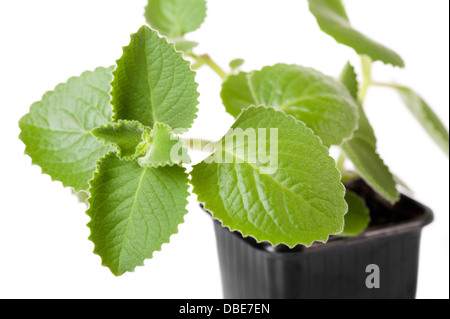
(336, 270)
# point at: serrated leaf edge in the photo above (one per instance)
(346, 146)
(181, 54)
(324, 239)
(89, 200)
(115, 146)
(250, 74)
(204, 19)
(370, 180)
(170, 163)
(35, 105)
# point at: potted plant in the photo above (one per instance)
(286, 225)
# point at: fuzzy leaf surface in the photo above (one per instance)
(358, 217)
(153, 83)
(124, 135)
(361, 149)
(302, 201)
(57, 130)
(333, 20)
(163, 148)
(319, 101)
(174, 18)
(426, 117)
(134, 210)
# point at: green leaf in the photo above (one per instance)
(184, 45)
(361, 149)
(236, 64)
(81, 195)
(349, 79)
(426, 117)
(311, 97)
(362, 152)
(152, 83)
(57, 130)
(174, 18)
(162, 148)
(276, 182)
(134, 210)
(333, 20)
(124, 135)
(358, 216)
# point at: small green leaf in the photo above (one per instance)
(236, 64)
(349, 79)
(57, 130)
(426, 117)
(134, 210)
(81, 195)
(153, 83)
(361, 149)
(124, 135)
(276, 182)
(358, 216)
(319, 101)
(333, 20)
(162, 148)
(184, 45)
(174, 18)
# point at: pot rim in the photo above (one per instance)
(391, 229)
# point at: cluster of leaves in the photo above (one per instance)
(115, 129)
(113, 134)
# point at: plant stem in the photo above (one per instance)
(341, 162)
(205, 59)
(366, 63)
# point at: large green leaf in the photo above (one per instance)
(125, 136)
(153, 83)
(319, 101)
(361, 149)
(426, 117)
(174, 18)
(57, 130)
(333, 20)
(134, 210)
(358, 217)
(294, 196)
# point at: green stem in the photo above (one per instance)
(205, 59)
(341, 162)
(197, 64)
(366, 63)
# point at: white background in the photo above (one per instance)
(44, 251)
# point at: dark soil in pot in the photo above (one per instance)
(336, 270)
